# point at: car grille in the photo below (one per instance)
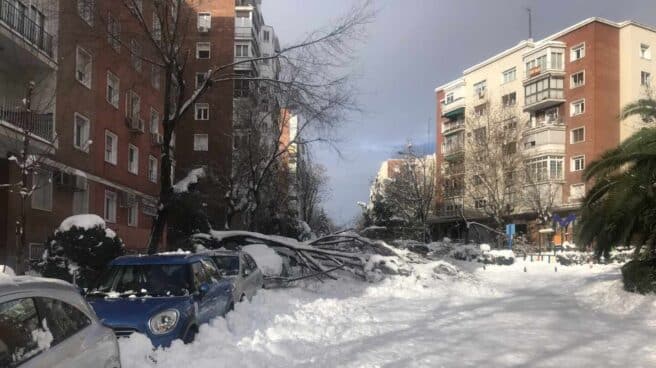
(124, 332)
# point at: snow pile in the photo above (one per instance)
(377, 267)
(484, 247)
(498, 317)
(6, 271)
(266, 258)
(192, 178)
(85, 222)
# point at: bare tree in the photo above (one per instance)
(312, 181)
(411, 190)
(312, 77)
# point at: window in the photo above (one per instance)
(35, 252)
(480, 135)
(133, 159)
(241, 50)
(202, 111)
(201, 142)
(20, 322)
(243, 19)
(157, 27)
(132, 106)
(154, 121)
(480, 88)
(509, 99)
(577, 135)
(152, 169)
(543, 89)
(133, 215)
(557, 60)
(135, 55)
(204, 21)
(480, 110)
(449, 98)
(577, 108)
(42, 194)
(113, 85)
(645, 51)
(110, 206)
(81, 130)
(645, 79)
(63, 320)
(155, 76)
(86, 8)
(480, 203)
(577, 52)
(509, 75)
(577, 191)
(200, 78)
(544, 168)
(578, 163)
(577, 79)
(266, 36)
(478, 180)
(83, 65)
(114, 32)
(202, 50)
(509, 149)
(111, 147)
(80, 200)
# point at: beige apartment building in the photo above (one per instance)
(564, 93)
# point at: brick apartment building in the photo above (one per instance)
(569, 89)
(205, 134)
(96, 112)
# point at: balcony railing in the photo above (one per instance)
(539, 123)
(39, 124)
(453, 126)
(18, 20)
(452, 149)
(539, 69)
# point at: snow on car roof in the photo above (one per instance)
(12, 284)
(163, 258)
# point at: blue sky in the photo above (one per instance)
(412, 47)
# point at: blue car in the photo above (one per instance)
(165, 297)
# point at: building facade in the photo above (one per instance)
(566, 92)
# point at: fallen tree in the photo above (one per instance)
(323, 258)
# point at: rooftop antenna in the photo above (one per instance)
(530, 24)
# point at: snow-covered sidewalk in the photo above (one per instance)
(498, 317)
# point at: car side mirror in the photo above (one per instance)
(203, 289)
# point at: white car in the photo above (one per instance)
(242, 271)
(45, 323)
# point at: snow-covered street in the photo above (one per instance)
(497, 317)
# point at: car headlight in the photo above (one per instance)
(164, 322)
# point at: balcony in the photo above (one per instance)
(543, 93)
(451, 126)
(545, 137)
(453, 108)
(18, 22)
(542, 70)
(453, 149)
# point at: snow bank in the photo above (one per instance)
(192, 178)
(485, 247)
(6, 271)
(85, 222)
(266, 258)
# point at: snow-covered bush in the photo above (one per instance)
(80, 250)
(444, 268)
(466, 252)
(504, 257)
(640, 276)
(573, 258)
(378, 266)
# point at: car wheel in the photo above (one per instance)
(190, 335)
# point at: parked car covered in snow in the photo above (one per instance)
(46, 323)
(165, 297)
(241, 270)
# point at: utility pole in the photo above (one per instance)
(530, 23)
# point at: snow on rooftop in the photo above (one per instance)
(192, 178)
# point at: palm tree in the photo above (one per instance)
(621, 205)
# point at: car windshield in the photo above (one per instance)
(144, 280)
(228, 265)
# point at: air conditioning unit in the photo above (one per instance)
(157, 138)
(203, 29)
(80, 184)
(63, 179)
(127, 200)
(135, 124)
